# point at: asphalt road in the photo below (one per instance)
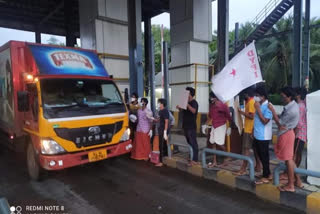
(121, 186)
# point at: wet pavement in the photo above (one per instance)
(122, 185)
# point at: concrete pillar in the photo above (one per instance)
(135, 47)
(191, 32)
(104, 27)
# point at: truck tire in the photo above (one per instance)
(34, 168)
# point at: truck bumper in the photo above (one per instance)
(58, 162)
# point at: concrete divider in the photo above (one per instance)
(302, 199)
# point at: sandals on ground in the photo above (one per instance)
(285, 189)
(262, 181)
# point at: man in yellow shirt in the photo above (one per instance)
(247, 137)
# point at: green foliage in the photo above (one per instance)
(54, 41)
(156, 32)
(275, 99)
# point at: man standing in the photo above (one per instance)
(262, 132)
(219, 114)
(189, 124)
(247, 137)
(163, 129)
(284, 149)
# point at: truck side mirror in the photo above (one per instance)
(23, 101)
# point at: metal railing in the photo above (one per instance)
(282, 167)
(182, 145)
(195, 82)
(113, 56)
(228, 154)
(263, 14)
(270, 6)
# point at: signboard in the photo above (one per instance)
(183, 102)
(64, 61)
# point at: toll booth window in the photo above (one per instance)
(77, 97)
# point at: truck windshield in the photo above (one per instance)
(79, 97)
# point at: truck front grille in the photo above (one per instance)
(89, 136)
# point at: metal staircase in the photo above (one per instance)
(267, 17)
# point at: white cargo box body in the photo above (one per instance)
(313, 122)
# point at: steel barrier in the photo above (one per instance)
(282, 167)
(182, 145)
(229, 154)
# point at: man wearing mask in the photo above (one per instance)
(163, 129)
(141, 144)
(190, 124)
(219, 114)
(262, 132)
(284, 149)
(247, 132)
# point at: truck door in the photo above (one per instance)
(32, 116)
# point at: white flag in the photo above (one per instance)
(241, 72)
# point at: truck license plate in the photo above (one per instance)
(97, 155)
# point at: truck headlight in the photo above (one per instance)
(126, 135)
(51, 147)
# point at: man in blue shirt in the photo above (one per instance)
(262, 132)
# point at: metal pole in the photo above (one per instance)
(236, 37)
(166, 72)
(297, 44)
(147, 52)
(149, 59)
(162, 62)
(223, 33)
(306, 47)
(70, 38)
(151, 77)
(38, 36)
(195, 79)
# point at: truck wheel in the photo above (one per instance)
(34, 168)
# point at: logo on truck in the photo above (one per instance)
(94, 130)
(70, 58)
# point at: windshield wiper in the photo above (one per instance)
(114, 103)
(60, 108)
(98, 107)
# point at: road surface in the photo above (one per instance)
(122, 186)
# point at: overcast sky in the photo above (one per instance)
(240, 11)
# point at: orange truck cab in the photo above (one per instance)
(62, 105)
